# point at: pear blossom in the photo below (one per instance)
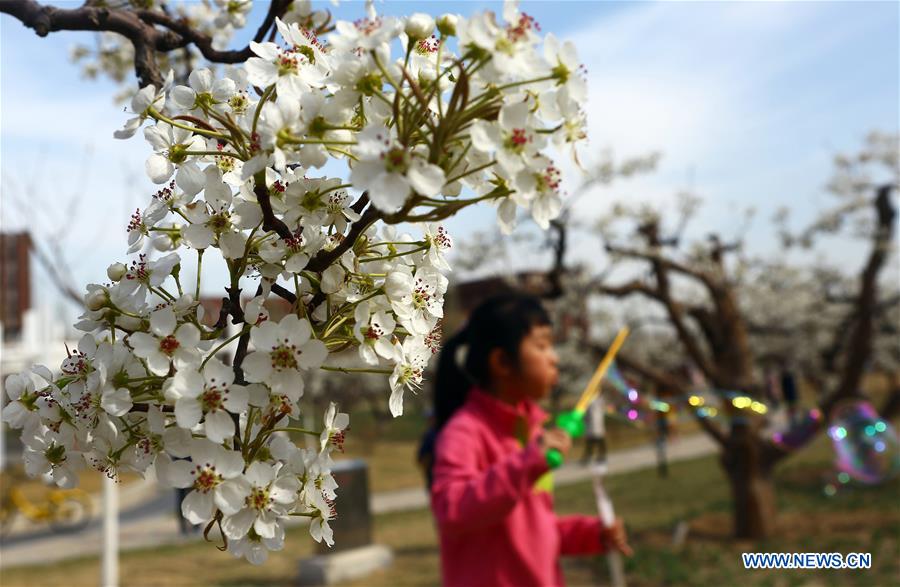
(338, 211)
(370, 33)
(281, 352)
(290, 70)
(567, 69)
(512, 138)
(146, 98)
(172, 145)
(264, 495)
(541, 188)
(209, 218)
(43, 455)
(417, 299)
(254, 547)
(439, 242)
(23, 409)
(277, 121)
(305, 42)
(143, 274)
(233, 13)
(208, 395)
(510, 45)
(169, 343)
(209, 468)
(411, 358)
(141, 223)
(389, 172)
(335, 423)
(205, 91)
(374, 332)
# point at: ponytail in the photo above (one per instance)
(452, 383)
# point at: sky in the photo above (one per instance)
(747, 102)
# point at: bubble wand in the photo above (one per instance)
(573, 422)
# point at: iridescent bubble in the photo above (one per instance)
(866, 447)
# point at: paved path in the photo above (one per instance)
(148, 511)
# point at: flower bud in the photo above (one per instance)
(419, 26)
(116, 271)
(128, 322)
(96, 299)
(163, 243)
(447, 24)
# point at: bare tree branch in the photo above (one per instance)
(860, 342)
(666, 263)
(47, 19)
(186, 35)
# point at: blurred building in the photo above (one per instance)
(15, 282)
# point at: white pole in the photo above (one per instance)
(608, 517)
(2, 427)
(110, 574)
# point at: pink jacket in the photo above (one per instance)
(496, 527)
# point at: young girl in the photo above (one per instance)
(494, 517)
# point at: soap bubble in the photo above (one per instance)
(865, 446)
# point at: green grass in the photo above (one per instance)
(858, 519)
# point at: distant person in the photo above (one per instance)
(789, 393)
(662, 439)
(773, 387)
(495, 520)
(595, 432)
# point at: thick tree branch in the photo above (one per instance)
(626, 289)
(47, 19)
(558, 226)
(667, 263)
(860, 342)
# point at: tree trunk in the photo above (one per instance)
(752, 489)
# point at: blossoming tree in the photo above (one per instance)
(428, 117)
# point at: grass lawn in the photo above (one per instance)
(858, 519)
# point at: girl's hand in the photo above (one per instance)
(556, 438)
(614, 538)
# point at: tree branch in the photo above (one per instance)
(669, 264)
(270, 221)
(47, 19)
(324, 259)
(185, 35)
(860, 342)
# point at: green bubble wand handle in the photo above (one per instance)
(573, 422)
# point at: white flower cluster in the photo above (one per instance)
(148, 387)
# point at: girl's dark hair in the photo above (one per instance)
(499, 322)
